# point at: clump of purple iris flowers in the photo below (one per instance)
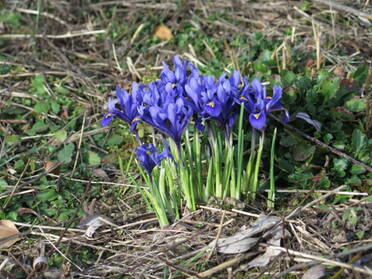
(169, 103)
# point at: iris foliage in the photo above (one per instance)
(202, 120)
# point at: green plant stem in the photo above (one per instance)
(155, 197)
(248, 172)
(216, 160)
(236, 191)
(271, 195)
(228, 166)
(254, 184)
(185, 181)
(198, 165)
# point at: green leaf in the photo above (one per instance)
(360, 234)
(13, 216)
(290, 97)
(92, 158)
(327, 138)
(285, 165)
(304, 5)
(42, 107)
(288, 141)
(324, 183)
(354, 181)
(10, 18)
(361, 73)
(357, 169)
(38, 85)
(59, 89)
(66, 153)
(55, 106)
(266, 55)
(258, 66)
(287, 77)
(19, 165)
(115, 140)
(339, 145)
(357, 140)
(329, 88)
(356, 104)
(63, 216)
(340, 165)
(32, 165)
(346, 215)
(38, 127)
(51, 211)
(60, 135)
(353, 219)
(302, 151)
(12, 139)
(48, 195)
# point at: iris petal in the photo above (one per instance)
(107, 118)
(213, 108)
(277, 95)
(257, 120)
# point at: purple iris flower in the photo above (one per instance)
(258, 105)
(165, 110)
(200, 95)
(171, 118)
(227, 92)
(128, 107)
(149, 157)
(213, 100)
(176, 78)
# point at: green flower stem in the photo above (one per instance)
(210, 181)
(271, 195)
(216, 160)
(228, 166)
(257, 167)
(235, 191)
(152, 197)
(155, 197)
(186, 181)
(198, 165)
(175, 192)
(248, 172)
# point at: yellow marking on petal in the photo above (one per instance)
(108, 115)
(211, 104)
(269, 97)
(135, 119)
(257, 115)
(174, 85)
(243, 98)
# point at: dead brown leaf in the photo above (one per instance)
(92, 223)
(315, 272)
(7, 228)
(24, 210)
(64, 112)
(242, 241)
(163, 32)
(100, 173)
(49, 164)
